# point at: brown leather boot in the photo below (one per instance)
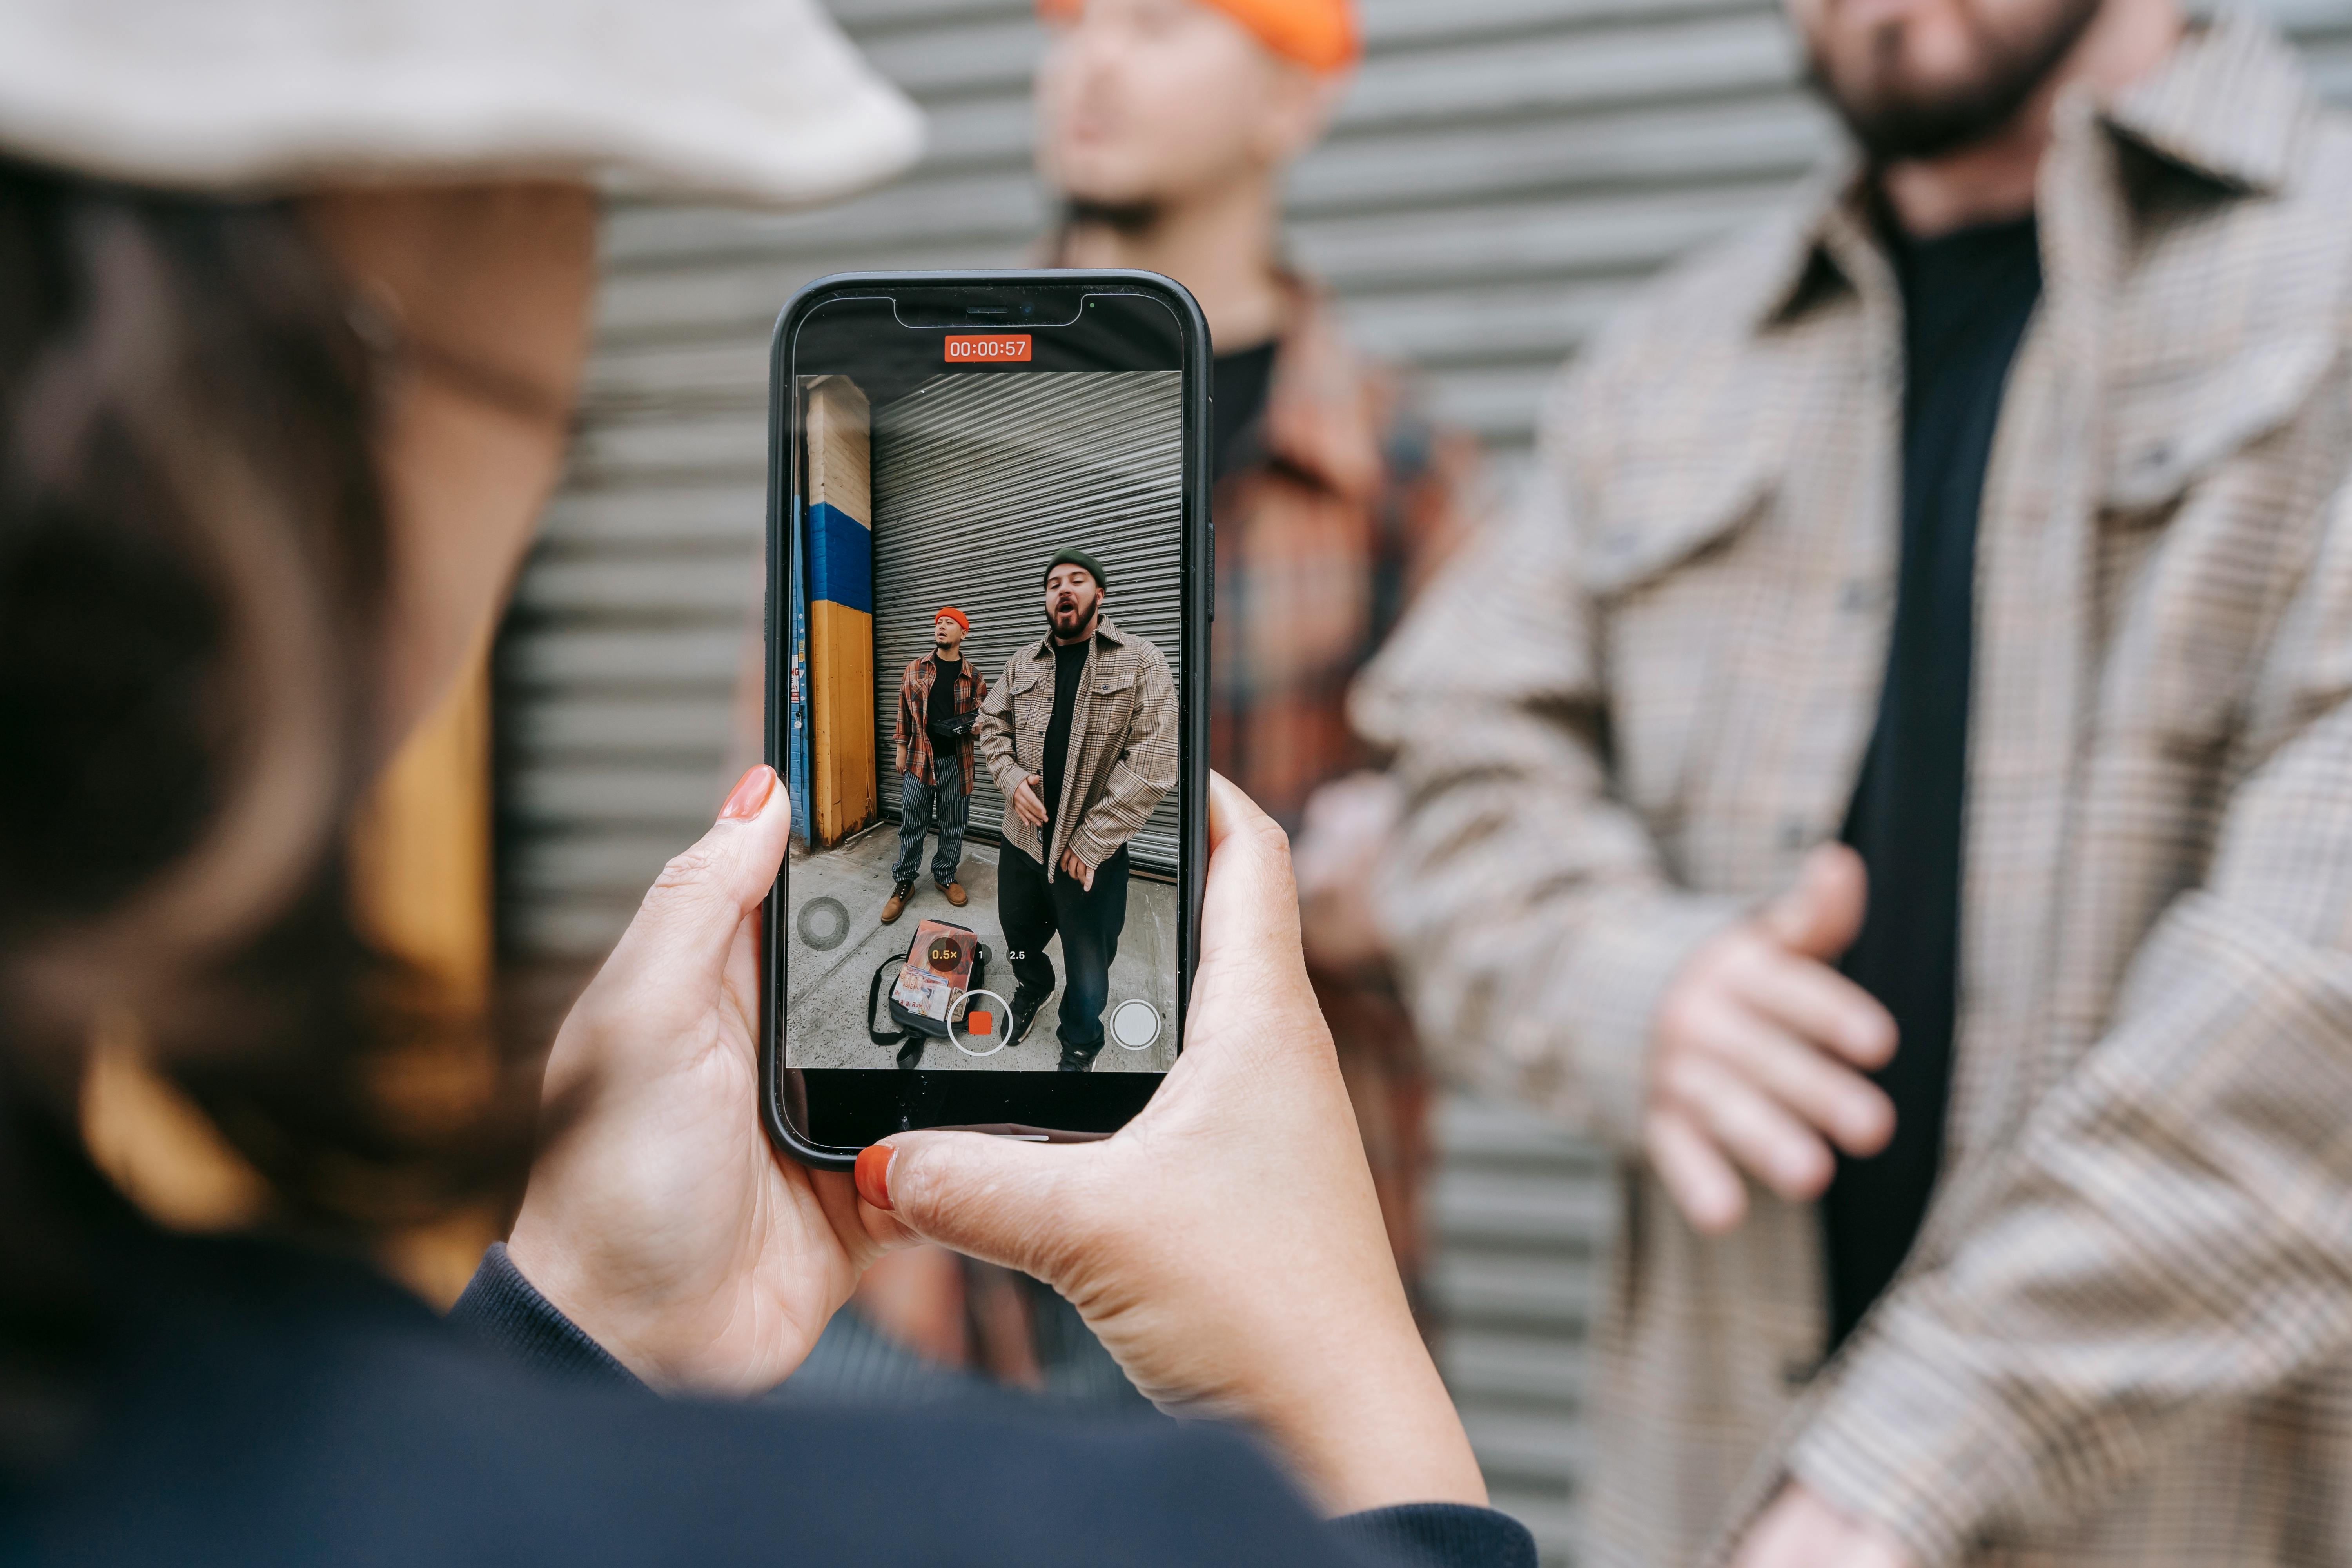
(956, 895)
(898, 904)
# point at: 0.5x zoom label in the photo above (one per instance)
(987, 348)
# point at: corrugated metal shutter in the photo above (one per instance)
(1502, 173)
(978, 479)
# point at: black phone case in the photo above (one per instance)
(778, 1084)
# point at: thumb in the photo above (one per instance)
(1821, 915)
(701, 898)
(996, 1199)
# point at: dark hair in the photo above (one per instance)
(192, 569)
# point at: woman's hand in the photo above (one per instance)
(662, 1221)
(1801, 1530)
(1226, 1245)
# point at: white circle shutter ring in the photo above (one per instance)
(966, 996)
(1135, 1025)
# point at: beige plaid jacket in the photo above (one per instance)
(1123, 740)
(2125, 1334)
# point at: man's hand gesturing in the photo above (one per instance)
(1032, 810)
(1753, 1060)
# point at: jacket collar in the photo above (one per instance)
(2232, 103)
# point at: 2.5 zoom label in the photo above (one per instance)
(987, 348)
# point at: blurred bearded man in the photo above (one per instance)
(1895, 781)
(1166, 128)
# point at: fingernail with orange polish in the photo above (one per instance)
(872, 1174)
(750, 792)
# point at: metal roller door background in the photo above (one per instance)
(978, 479)
(1500, 176)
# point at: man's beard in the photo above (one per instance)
(1128, 218)
(1070, 623)
(1893, 123)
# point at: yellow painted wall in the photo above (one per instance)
(844, 786)
(842, 790)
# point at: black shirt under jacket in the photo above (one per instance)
(942, 712)
(1967, 297)
(1069, 664)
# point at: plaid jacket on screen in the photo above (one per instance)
(1123, 742)
(2124, 1335)
(911, 733)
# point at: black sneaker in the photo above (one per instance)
(1024, 1013)
(1078, 1058)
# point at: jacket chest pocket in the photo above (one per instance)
(1666, 558)
(1032, 709)
(2190, 550)
(1112, 705)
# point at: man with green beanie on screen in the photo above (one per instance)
(1080, 734)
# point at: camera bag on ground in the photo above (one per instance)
(942, 963)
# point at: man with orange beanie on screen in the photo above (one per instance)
(1165, 127)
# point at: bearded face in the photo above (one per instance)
(1071, 600)
(1916, 78)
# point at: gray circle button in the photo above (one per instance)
(824, 923)
(1135, 1025)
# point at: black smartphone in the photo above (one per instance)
(988, 599)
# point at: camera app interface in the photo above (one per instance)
(980, 684)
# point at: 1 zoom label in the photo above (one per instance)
(988, 348)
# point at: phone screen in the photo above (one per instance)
(981, 657)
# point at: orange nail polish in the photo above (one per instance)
(750, 793)
(872, 1174)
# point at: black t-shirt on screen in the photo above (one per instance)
(1069, 663)
(1967, 297)
(942, 712)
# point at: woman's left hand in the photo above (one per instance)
(661, 1220)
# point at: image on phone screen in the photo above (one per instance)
(982, 658)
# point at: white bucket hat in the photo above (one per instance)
(757, 100)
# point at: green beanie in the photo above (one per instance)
(1071, 555)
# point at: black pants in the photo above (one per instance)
(1034, 910)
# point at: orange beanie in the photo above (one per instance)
(1318, 34)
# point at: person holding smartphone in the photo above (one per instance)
(1080, 734)
(939, 702)
(264, 467)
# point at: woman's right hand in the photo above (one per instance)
(1225, 1246)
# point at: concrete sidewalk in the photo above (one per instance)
(837, 939)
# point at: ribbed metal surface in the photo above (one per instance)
(978, 479)
(1501, 175)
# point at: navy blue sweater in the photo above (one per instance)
(257, 1404)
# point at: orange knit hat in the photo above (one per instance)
(1318, 34)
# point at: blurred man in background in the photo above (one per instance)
(1895, 779)
(1166, 128)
